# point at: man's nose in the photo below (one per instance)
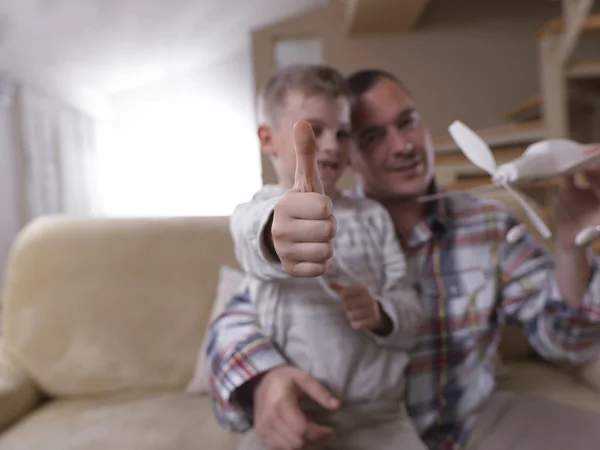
(398, 142)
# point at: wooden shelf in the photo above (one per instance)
(475, 180)
(528, 109)
(501, 154)
(531, 108)
(499, 136)
(591, 24)
(584, 69)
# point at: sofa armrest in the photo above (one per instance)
(18, 394)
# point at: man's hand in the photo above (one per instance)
(577, 208)
(303, 226)
(278, 419)
(362, 309)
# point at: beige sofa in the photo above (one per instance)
(103, 319)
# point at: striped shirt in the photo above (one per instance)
(471, 282)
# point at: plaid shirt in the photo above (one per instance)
(471, 282)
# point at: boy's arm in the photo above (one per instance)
(238, 353)
(530, 296)
(250, 226)
(398, 300)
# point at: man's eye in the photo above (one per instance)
(343, 135)
(317, 130)
(410, 121)
(370, 138)
(406, 123)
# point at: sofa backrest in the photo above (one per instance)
(95, 306)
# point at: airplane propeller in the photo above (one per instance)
(480, 154)
(564, 157)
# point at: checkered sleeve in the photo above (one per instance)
(237, 352)
(530, 295)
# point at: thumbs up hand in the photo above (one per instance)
(303, 225)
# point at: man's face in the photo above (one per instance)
(330, 121)
(393, 153)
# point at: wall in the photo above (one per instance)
(184, 146)
(469, 60)
(10, 217)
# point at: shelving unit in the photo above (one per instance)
(560, 110)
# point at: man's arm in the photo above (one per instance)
(251, 384)
(237, 355)
(576, 207)
(558, 327)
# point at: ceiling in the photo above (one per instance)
(108, 46)
(86, 50)
(383, 16)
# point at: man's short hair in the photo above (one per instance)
(363, 80)
(307, 79)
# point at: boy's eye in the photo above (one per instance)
(317, 130)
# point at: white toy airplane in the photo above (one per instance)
(545, 159)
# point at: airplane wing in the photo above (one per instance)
(576, 166)
(581, 164)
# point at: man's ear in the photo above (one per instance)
(265, 137)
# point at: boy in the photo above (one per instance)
(352, 328)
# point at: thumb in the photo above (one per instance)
(315, 391)
(307, 175)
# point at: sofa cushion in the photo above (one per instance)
(539, 377)
(96, 306)
(18, 395)
(590, 373)
(157, 422)
(513, 344)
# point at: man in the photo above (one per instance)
(471, 281)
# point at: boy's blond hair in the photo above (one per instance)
(307, 79)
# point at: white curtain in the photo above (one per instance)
(59, 150)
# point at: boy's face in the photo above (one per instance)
(330, 120)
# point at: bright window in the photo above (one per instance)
(185, 147)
